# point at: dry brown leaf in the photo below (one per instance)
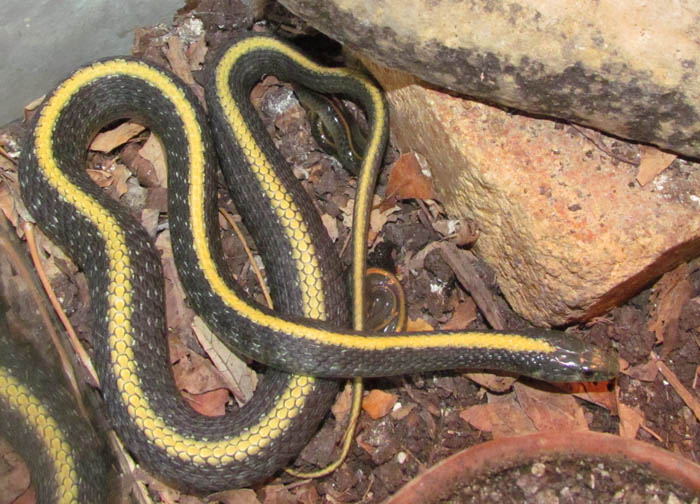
(378, 217)
(644, 372)
(164, 492)
(331, 225)
(445, 227)
(595, 393)
(277, 494)
(343, 403)
(465, 313)
(417, 261)
(551, 411)
(115, 178)
(120, 174)
(149, 220)
(197, 51)
(242, 496)
(502, 416)
(378, 403)
(307, 494)
(100, 177)
(153, 151)
(407, 180)
(178, 314)
(178, 61)
(107, 141)
(492, 382)
(418, 325)
(178, 350)
(403, 411)
(7, 205)
(668, 297)
(181, 67)
(7, 164)
(196, 375)
(631, 419)
(15, 478)
(652, 162)
(240, 379)
(31, 107)
(212, 403)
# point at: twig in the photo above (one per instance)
(603, 147)
(251, 257)
(472, 282)
(5, 154)
(683, 392)
(72, 336)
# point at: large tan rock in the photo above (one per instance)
(629, 68)
(568, 229)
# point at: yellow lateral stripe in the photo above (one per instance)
(21, 399)
(361, 211)
(513, 342)
(292, 221)
(121, 340)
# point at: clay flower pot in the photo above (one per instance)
(492, 457)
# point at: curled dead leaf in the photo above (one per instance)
(408, 179)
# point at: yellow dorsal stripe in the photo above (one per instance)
(465, 340)
(21, 399)
(120, 289)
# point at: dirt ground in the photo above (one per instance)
(415, 421)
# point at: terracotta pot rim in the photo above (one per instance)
(502, 453)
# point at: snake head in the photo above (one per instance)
(575, 361)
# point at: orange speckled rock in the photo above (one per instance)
(568, 229)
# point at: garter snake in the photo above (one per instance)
(55, 439)
(125, 281)
(335, 132)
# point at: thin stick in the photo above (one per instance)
(72, 336)
(251, 257)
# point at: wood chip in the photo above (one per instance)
(669, 295)
(461, 262)
(31, 107)
(688, 398)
